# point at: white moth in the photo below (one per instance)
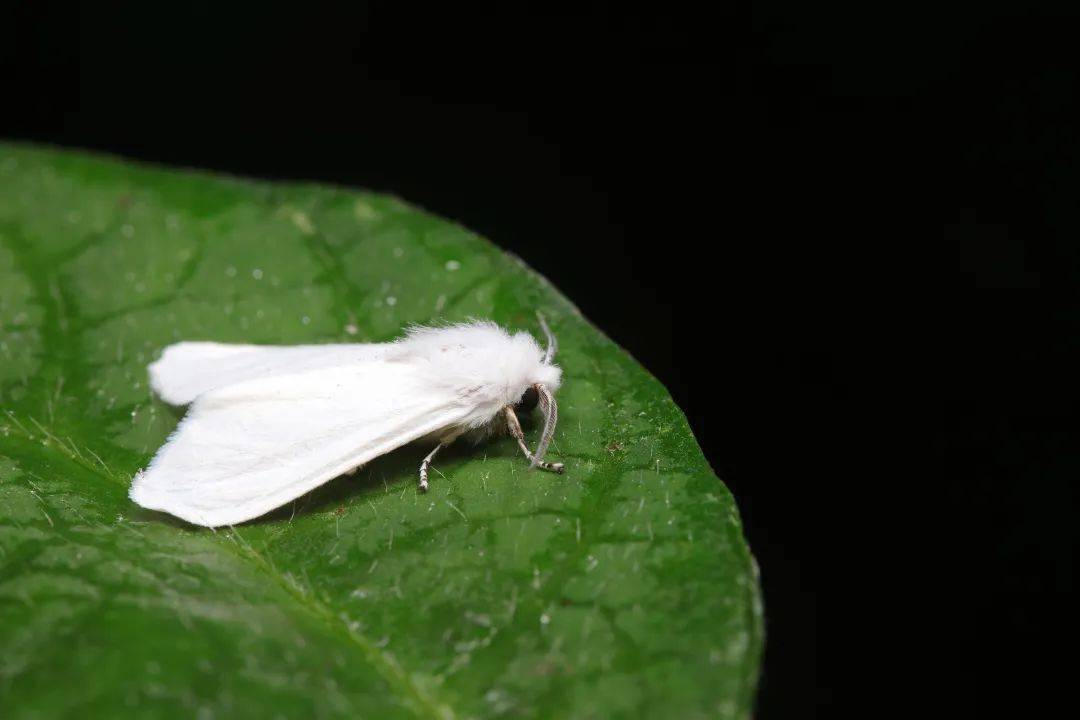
(267, 424)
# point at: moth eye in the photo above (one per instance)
(528, 401)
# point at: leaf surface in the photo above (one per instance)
(623, 588)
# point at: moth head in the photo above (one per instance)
(539, 391)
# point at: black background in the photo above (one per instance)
(741, 199)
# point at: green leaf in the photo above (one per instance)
(623, 588)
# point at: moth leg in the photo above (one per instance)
(515, 430)
(427, 464)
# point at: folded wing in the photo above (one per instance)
(249, 447)
(189, 369)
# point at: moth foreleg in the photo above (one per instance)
(424, 466)
(515, 430)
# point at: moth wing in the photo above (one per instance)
(189, 369)
(245, 449)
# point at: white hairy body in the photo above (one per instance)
(268, 424)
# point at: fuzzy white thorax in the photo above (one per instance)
(483, 365)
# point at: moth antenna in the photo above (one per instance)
(552, 343)
(551, 416)
(515, 430)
